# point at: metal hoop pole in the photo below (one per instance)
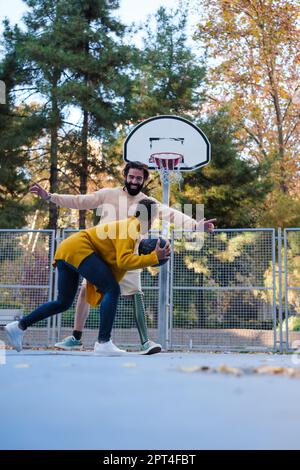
(164, 272)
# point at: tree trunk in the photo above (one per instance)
(279, 120)
(281, 149)
(84, 140)
(84, 164)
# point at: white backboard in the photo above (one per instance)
(168, 134)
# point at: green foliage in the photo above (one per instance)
(71, 54)
(280, 210)
(94, 59)
(293, 323)
(19, 127)
(24, 260)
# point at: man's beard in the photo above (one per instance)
(133, 191)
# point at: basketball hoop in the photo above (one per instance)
(168, 165)
(171, 145)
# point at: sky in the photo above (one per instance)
(130, 10)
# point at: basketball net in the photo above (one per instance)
(168, 165)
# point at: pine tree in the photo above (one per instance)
(96, 60)
(20, 127)
(73, 55)
(38, 51)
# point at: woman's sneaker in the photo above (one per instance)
(108, 349)
(69, 344)
(15, 335)
(150, 347)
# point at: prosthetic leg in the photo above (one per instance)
(148, 346)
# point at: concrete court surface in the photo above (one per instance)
(59, 400)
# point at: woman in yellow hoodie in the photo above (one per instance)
(101, 255)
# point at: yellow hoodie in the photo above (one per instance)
(114, 242)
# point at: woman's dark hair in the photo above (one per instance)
(137, 166)
(145, 207)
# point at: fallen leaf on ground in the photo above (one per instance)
(277, 370)
(193, 368)
(225, 369)
(229, 370)
(269, 370)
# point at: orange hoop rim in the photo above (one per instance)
(159, 155)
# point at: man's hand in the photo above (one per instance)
(37, 189)
(206, 225)
(163, 253)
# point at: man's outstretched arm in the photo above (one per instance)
(183, 221)
(80, 202)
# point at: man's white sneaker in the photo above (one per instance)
(15, 335)
(108, 349)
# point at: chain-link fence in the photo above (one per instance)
(26, 279)
(223, 295)
(291, 291)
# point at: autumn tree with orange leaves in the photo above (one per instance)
(254, 63)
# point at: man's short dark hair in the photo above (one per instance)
(147, 207)
(138, 166)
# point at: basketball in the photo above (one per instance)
(148, 245)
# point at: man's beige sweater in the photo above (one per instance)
(116, 204)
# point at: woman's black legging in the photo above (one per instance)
(96, 271)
